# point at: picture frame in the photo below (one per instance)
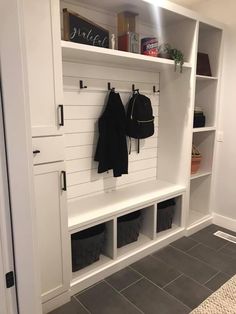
(81, 30)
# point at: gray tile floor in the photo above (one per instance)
(173, 280)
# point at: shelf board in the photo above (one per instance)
(166, 233)
(139, 244)
(204, 129)
(204, 77)
(196, 217)
(74, 52)
(103, 260)
(200, 174)
(89, 210)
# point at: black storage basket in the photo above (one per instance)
(86, 246)
(128, 228)
(199, 120)
(165, 214)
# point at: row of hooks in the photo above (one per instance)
(109, 88)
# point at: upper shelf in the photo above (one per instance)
(204, 77)
(74, 52)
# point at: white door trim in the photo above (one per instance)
(19, 154)
(6, 251)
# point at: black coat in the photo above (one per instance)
(111, 152)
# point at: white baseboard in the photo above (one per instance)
(224, 222)
(199, 225)
(56, 302)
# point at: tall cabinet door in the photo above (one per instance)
(44, 68)
(53, 238)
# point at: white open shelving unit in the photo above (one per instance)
(172, 176)
(206, 96)
(162, 169)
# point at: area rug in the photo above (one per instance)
(223, 301)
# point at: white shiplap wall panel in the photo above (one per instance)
(79, 177)
(77, 139)
(89, 112)
(82, 111)
(110, 183)
(87, 151)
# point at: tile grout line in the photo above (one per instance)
(215, 252)
(83, 306)
(131, 284)
(212, 277)
(218, 250)
(195, 258)
(195, 245)
(84, 290)
(123, 296)
(172, 281)
(163, 290)
(182, 274)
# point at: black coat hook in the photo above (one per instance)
(81, 84)
(154, 90)
(109, 87)
(134, 89)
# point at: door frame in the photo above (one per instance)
(8, 295)
(15, 93)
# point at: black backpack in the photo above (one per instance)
(140, 119)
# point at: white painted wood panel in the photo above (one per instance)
(43, 53)
(82, 111)
(53, 240)
(92, 175)
(51, 148)
(110, 183)
(83, 151)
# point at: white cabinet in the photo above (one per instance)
(43, 57)
(52, 230)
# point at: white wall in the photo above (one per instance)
(225, 192)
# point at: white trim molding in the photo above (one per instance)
(224, 221)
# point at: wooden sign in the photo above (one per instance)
(83, 31)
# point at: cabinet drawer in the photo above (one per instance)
(48, 149)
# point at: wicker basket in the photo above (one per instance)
(128, 228)
(196, 160)
(165, 214)
(86, 246)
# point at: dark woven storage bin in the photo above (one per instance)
(165, 214)
(86, 246)
(199, 120)
(128, 228)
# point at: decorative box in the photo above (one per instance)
(149, 46)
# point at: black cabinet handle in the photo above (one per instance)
(36, 151)
(61, 114)
(64, 186)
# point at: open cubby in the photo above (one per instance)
(98, 237)
(146, 231)
(205, 97)
(200, 191)
(168, 215)
(204, 141)
(209, 42)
